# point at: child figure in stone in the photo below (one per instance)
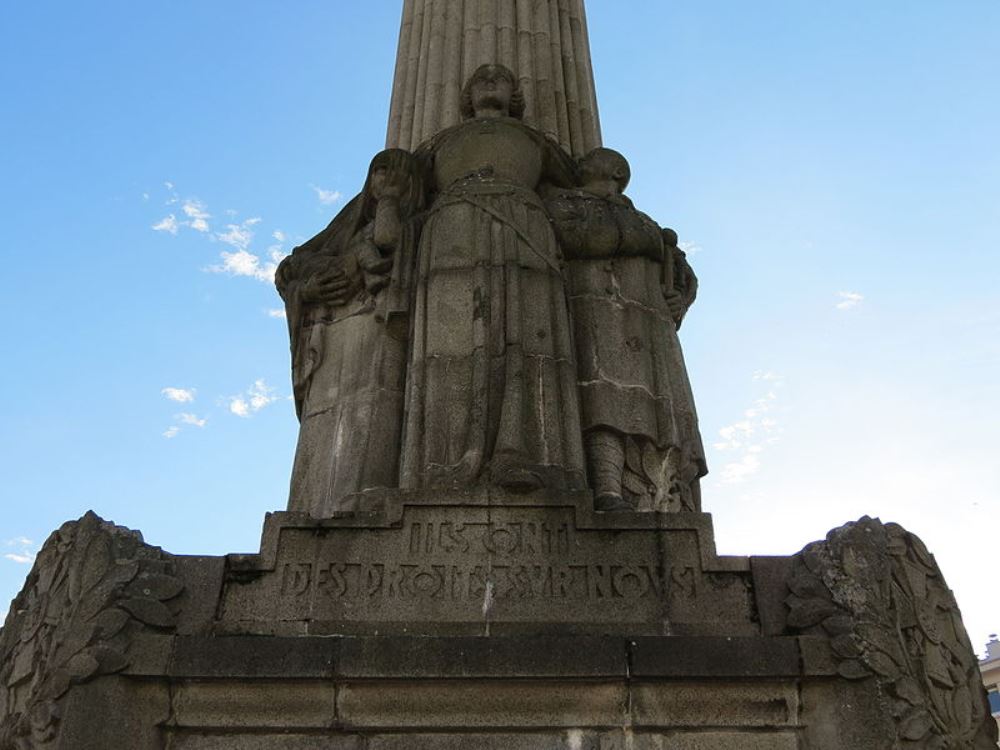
(641, 438)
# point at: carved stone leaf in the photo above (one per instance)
(110, 660)
(57, 685)
(838, 625)
(149, 612)
(809, 612)
(920, 552)
(845, 646)
(937, 668)
(123, 571)
(96, 561)
(98, 600)
(809, 587)
(915, 725)
(109, 623)
(82, 666)
(878, 638)
(883, 664)
(909, 690)
(812, 559)
(155, 586)
(853, 669)
(962, 709)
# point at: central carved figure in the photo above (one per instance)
(491, 392)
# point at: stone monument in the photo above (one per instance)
(494, 535)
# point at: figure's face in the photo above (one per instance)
(378, 181)
(491, 90)
(599, 178)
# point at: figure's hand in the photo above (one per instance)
(394, 175)
(284, 273)
(334, 287)
(372, 261)
(675, 303)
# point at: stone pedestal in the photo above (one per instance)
(485, 620)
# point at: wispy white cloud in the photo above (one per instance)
(738, 471)
(752, 433)
(239, 236)
(23, 550)
(255, 398)
(166, 224)
(171, 432)
(849, 300)
(690, 248)
(277, 312)
(180, 395)
(191, 419)
(245, 263)
(278, 235)
(768, 377)
(326, 197)
(197, 213)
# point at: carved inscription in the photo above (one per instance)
(469, 564)
(401, 581)
(515, 538)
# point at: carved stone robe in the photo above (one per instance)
(491, 394)
(348, 371)
(631, 372)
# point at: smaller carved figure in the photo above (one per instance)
(346, 298)
(640, 429)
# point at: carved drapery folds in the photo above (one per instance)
(94, 586)
(880, 597)
(533, 341)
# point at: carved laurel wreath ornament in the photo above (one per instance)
(92, 588)
(878, 594)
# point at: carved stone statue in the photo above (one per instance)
(491, 390)
(346, 297)
(643, 448)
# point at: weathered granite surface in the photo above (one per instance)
(116, 644)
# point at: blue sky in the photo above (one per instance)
(834, 168)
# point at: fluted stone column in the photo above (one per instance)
(545, 42)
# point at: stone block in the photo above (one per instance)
(199, 602)
(840, 714)
(510, 657)
(709, 741)
(255, 704)
(465, 741)
(207, 741)
(817, 656)
(770, 586)
(715, 704)
(114, 713)
(473, 704)
(254, 657)
(714, 657)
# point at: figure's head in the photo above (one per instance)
(605, 170)
(492, 87)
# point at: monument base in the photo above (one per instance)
(487, 620)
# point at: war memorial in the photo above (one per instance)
(495, 536)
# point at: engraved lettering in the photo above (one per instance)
(296, 579)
